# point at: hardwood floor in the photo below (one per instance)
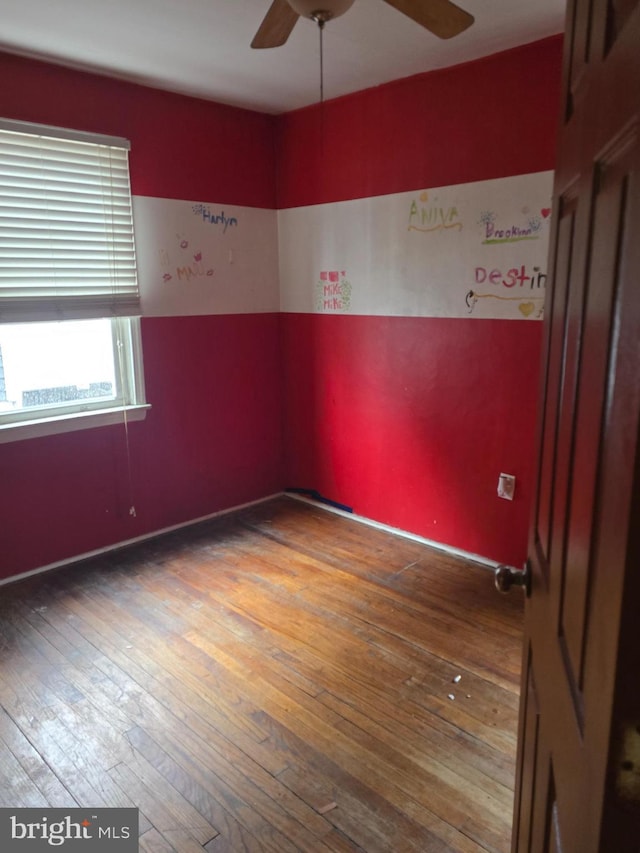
(278, 680)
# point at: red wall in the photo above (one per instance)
(213, 438)
(410, 421)
(181, 147)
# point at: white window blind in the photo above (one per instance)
(66, 228)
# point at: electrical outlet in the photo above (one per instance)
(506, 486)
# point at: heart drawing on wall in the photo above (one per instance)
(526, 308)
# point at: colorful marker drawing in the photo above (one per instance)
(427, 214)
(526, 307)
(531, 229)
(204, 211)
(189, 265)
(441, 227)
(333, 291)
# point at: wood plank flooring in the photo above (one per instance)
(277, 679)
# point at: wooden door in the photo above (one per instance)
(578, 780)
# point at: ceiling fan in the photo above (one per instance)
(441, 17)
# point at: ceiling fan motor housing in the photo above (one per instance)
(320, 10)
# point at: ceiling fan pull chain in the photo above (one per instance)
(321, 28)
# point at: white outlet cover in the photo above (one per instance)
(506, 486)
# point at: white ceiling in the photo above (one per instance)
(201, 47)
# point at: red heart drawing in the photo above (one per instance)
(545, 211)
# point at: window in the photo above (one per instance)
(70, 353)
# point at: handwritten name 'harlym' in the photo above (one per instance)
(221, 218)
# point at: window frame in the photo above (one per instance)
(123, 312)
(130, 403)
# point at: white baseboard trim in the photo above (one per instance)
(135, 541)
(484, 562)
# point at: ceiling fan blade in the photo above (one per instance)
(442, 17)
(276, 26)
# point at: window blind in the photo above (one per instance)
(66, 227)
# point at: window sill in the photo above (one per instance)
(18, 431)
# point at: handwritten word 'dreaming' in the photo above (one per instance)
(214, 218)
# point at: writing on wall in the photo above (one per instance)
(205, 258)
(333, 291)
(528, 227)
(181, 263)
(428, 214)
(471, 251)
(204, 212)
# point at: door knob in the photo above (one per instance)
(507, 577)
